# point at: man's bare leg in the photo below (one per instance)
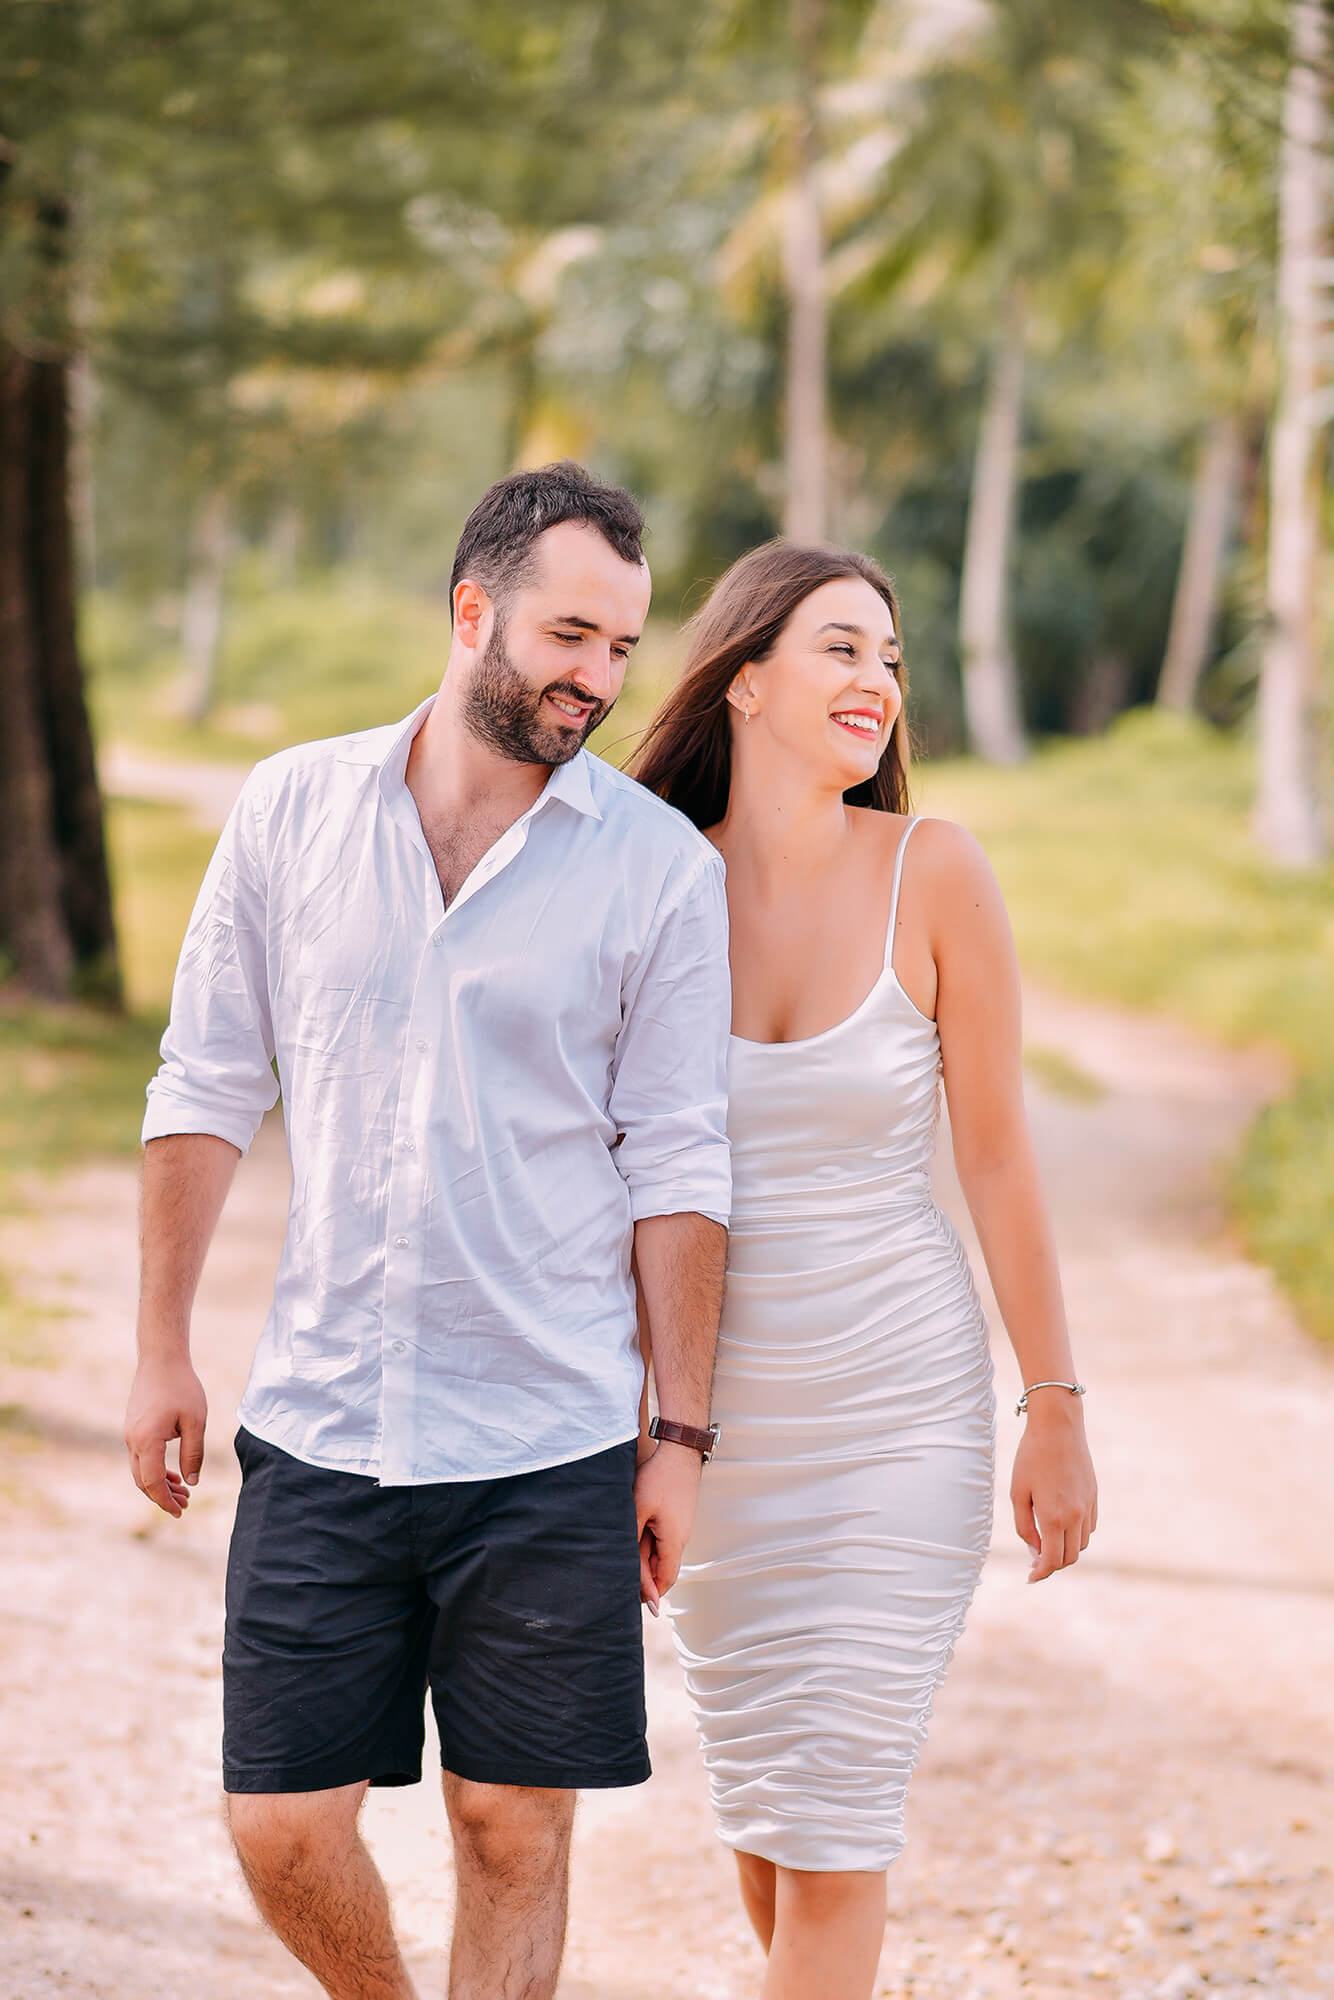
(512, 1862)
(318, 1889)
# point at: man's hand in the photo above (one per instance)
(666, 1495)
(166, 1401)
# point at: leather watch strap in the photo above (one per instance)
(705, 1442)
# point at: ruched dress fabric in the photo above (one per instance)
(844, 1520)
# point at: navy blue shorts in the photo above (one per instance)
(515, 1601)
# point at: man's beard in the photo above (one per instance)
(504, 711)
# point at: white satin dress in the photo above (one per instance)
(843, 1522)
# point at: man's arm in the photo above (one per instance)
(679, 1263)
(204, 1107)
(186, 1178)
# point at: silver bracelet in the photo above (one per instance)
(1075, 1388)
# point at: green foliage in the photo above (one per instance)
(1284, 1195)
(1130, 875)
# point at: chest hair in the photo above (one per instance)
(458, 845)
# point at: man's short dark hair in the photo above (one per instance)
(496, 546)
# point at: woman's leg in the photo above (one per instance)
(827, 1932)
(758, 1878)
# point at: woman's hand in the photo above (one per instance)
(1054, 1491)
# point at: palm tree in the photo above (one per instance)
(1287, 816)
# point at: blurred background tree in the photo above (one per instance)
(1029, 300)
(991, 289)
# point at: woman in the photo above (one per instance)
(845, 1517)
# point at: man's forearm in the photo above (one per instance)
(186, 1178)
(679, 1261)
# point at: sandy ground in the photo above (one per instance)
(1127, 1786)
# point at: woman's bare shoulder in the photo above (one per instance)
(942, 849)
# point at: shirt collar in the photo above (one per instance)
(570, 783)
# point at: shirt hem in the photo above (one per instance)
(368, 1467)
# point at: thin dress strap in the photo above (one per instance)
(904, 838)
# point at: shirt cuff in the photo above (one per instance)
(168, 1114)
(711, 1198)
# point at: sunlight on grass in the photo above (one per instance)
(1130, 874)
(1064, 1078)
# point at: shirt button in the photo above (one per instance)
(396, 1346)
(409, 1145)
(400, 1243)
(422, 1045)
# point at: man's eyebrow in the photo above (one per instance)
(857, 631)
(587, 625)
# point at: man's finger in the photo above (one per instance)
(149, 1467)
(648, 1589)
(666, 1566)
(192, 1448)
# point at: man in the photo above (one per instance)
(493, 974)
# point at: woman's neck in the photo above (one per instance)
(779, 821)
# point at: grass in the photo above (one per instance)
(72, 1078)
(1131, 875)
(1065, 1078)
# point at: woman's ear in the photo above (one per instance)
(741, 695)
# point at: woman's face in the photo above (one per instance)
(828, 693)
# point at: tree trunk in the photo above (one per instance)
(806, 508)
(201, 612)
(32, 919)
(1213, 507)
(56, 929)
(992, 711)
(1287, 818)
(77, 796)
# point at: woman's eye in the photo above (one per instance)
(849, 650)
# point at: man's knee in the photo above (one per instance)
(504, 1827)
(276, 1834)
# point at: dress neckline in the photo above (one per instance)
(886, 971)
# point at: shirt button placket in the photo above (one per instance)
(403, 1249)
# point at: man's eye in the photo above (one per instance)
(570, 638)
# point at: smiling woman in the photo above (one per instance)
(846, 1514)
(686, 756)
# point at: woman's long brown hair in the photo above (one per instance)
(686, 754)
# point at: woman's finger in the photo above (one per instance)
(1025, 1522)
(1051, 1554)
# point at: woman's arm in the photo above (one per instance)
(978, 1011)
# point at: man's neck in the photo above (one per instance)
(453, 775)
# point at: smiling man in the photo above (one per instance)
(493, 974)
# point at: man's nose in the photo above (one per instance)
(598, 672)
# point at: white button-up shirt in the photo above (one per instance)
(480, 1101)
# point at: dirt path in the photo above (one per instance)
(1128, 1783)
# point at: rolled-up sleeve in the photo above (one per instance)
(217, 1054)
(669, 1089)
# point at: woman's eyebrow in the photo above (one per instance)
(857, 631)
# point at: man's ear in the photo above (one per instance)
(471, 605)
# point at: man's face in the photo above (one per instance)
(554, 659)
